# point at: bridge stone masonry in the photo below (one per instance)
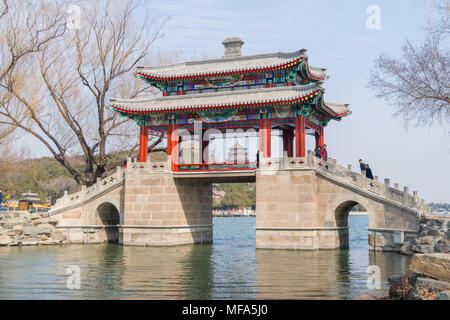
(301, 203)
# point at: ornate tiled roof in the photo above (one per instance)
(228, 65)
(338, 108)
(236, 99)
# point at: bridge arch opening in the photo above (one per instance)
(352, 219)
(109, 217)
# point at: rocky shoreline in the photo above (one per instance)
(21, 228)
(429, 269)
(428, 279)
(434, 236)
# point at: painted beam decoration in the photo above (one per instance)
(232, 92)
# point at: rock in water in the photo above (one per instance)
(4, 240)
(59, 236)
(428, 289)
(442, 245)
(30, 243)
(444, 296)
(18, 229)
(407, 249)
(434, 265)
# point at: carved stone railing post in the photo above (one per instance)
(387, 184)
(119, 173)
(169, 163)
(83, 192)
(405, 194)
(128, 163)
(310, 159)
(349, 167)
(101, 185)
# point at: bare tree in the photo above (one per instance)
(418, 82)
(62, 102)
(25, 26)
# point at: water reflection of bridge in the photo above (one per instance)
(226, 270)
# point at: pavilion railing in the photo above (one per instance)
(226, 166)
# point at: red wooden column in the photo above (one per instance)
(265, 133)
(317, 135)
(319, 138)
(172, 144)
(300, 136)
(268, 137)
(322, 139)
(143, 143)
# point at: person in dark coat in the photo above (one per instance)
(368, 172)
(362, 165)
(317, 151)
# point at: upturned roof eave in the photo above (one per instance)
(298, 53)
(223, 93)
(170, 72)
(298, 93)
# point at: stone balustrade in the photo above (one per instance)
(88, 193)
(309, 162)
(347, 175)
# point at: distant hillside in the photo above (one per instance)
(240, 195)
(44, 176)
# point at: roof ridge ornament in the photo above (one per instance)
(233, 47)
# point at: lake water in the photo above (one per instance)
(230, 268)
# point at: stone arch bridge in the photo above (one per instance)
(301, 203)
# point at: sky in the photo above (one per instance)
(338, 39)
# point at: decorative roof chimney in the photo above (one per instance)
(232, 47)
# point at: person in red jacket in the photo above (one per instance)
(324, 153)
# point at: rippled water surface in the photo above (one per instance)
(231, 268)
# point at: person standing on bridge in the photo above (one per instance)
(369, 174)
(324, 153)
(1, 199)
(317, 151)
(362, 165)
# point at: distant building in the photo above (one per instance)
(189, 152)
(28, 200)
(218, 195)
(237, 153)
